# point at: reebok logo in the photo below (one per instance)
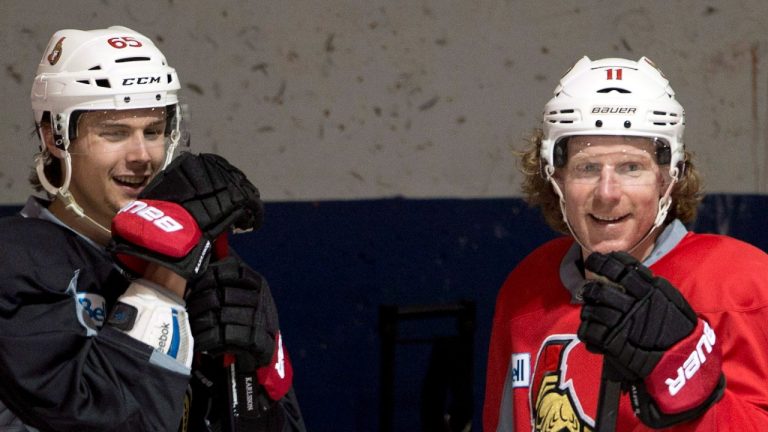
(165, 330)
(694, 361)
(154, 215)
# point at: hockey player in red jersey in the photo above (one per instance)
(629, 299)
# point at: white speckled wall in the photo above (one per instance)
(364, 99)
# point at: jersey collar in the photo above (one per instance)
(570, 268)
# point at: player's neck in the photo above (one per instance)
(82, 225)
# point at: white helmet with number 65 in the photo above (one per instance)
(105, 69)
(108, 69)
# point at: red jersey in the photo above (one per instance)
(540, 376)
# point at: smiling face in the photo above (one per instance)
(611, 186)
(113, 157)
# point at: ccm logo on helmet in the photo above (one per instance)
(613, 110)
(141, 81)
(154, 215)
(693, 363)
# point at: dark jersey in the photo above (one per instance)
(61, 367)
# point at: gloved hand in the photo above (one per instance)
(652, 338)
(158, 231)
(215, 193)
(206, 193)
(232, 311)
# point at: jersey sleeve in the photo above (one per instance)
(57, 372)
(499, 355)
(527, 291)
(726, 282)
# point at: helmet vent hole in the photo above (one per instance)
(97, 67)
(614, 89)
(86, 82)
(103, 83)
(132, 59)
(170, 78)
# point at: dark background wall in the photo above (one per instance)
(331, 264)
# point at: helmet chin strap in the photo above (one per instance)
(665, 202)
(62, 193)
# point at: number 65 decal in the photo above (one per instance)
(123, 42)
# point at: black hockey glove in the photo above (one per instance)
(231, 311)
(215, 193)
(654, 341)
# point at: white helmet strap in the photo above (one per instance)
(62, 192)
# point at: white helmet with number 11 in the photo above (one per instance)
(614, 96)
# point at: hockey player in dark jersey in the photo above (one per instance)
(120, 303)
(629, 322)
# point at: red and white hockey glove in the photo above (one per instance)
(669, 358)
(162, 232)
(202, 191)
(232, 311)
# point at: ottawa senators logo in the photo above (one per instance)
(559, 401)
(55, 54)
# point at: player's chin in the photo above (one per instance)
(605, 246)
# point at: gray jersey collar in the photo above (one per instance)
(571, 275)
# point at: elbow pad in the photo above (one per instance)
(149, 313)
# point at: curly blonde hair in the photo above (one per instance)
(686, 193)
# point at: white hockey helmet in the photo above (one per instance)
(106, 69)
(614, 96)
